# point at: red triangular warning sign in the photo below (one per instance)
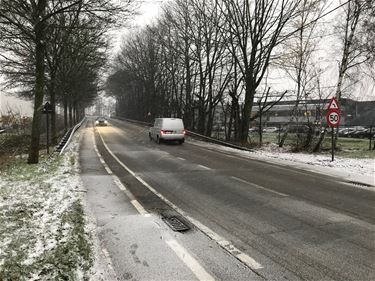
(333, 104)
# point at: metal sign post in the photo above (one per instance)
(333, 120)
(47, 108)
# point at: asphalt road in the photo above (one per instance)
(297, 225)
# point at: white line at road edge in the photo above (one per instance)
(119, 184)
(226, 245)
(259, 186)
(180, 251)
(192, 263)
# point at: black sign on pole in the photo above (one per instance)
(47, 108)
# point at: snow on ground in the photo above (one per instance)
(359, 170)
(43, 227)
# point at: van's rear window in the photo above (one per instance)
(173, 124)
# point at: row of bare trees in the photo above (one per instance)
(202, 55)
(54, 50)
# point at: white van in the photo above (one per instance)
(168, 129)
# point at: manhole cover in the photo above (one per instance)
(175, 224)
(360, 184)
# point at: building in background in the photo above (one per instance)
(12, 104)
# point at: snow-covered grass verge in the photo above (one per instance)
(349, 169)
(43, 233)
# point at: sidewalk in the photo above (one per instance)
(138, 245)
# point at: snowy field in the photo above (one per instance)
(43, 232)
(359, 170)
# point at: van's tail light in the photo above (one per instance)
(162, 132)
(184, 132)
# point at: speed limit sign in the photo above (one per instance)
(333, 118)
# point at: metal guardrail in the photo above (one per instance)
(75, 128)
(192, 134)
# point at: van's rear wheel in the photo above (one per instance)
(181, 141)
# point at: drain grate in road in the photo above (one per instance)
(175, 224)
(361, 184)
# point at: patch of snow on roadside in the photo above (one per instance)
(362, 170)
(34, 206)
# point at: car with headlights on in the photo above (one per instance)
(101, 122)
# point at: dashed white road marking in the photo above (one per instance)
(226, 245)
(259, 187)
(182, 159)
(204, 167)
(190, 262)
(119, 184)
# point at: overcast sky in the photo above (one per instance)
(147, 13)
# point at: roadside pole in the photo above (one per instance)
(47, 108)
(333, 120)
(333, 144)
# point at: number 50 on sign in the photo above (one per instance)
(333, 118)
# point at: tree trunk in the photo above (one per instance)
(70, 115)
(66, 114)
(201, 119)
(246, 113)
(39, 84)
(53, 114)
(320, 141)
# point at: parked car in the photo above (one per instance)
(101, 121)
(363, 133)
(168, 129)
(270, 129)
(254, 129)
(351, 131)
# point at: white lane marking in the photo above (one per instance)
(259, 187)
(204, 167)
(139, 207)
(191, 263)
(119, 184)
(226, 245)
(107, 169)
(265, 161)
(182, 159)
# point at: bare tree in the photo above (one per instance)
(25, 26)
(298, 62)
(256, 29)
(351, 55)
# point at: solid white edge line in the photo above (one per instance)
(139, 207)
(260, 187)
(190, 262)
(226, 245)
(119, 184)
(182, 159)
